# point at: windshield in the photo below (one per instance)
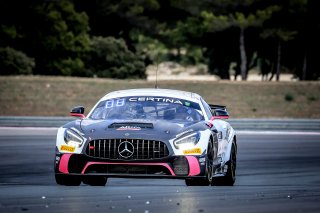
(151, 108)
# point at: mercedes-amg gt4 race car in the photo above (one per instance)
(147, 133)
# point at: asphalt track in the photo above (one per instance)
(276, 173)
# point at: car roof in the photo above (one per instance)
(190, 96)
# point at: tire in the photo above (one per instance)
(95, 181)
(230, 177)
(67, 180)
(207, 180)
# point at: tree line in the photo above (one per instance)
(119, 38)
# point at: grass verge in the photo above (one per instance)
(55, 96)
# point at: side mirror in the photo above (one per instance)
(78, 112)
(220, 114)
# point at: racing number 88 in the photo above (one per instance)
(115, 103)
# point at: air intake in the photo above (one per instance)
(131, 125)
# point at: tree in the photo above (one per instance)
(52, 32)
(111, 58)
(14, 62)
(117, 18)
(292, 33)
(217, 23)
(281, 36)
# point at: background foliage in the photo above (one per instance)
(14, 62)
(119, 38)
(110, 57)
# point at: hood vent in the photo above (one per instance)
(131, 125)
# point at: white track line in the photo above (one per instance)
(249, 132)
(31, 131)
(28, 128)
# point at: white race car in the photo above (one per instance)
(147, 133)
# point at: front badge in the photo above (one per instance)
(126, 149)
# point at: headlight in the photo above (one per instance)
(189, 140)
(71, 137)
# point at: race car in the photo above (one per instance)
(147, 133)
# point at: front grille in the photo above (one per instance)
(142, 149)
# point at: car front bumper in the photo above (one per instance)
(179, 167)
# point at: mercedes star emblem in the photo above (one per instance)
(126, 149)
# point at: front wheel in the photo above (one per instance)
(230, 177)
(68, 180)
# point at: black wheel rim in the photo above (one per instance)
(210, 161)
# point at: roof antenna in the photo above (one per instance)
(156, 86)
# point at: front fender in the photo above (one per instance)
(225, 142)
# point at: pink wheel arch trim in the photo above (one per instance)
(194, 168)
(136, 164)
(64, 161)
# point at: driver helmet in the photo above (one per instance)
(182, 112)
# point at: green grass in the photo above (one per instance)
(55, 96)
(289, 97)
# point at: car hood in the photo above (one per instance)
(135, 129)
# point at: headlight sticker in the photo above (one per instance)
(187, 141)
(72, 137)
(183, 133)
(77, 131)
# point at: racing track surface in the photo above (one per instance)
(276, 173)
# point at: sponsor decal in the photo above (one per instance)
(67, 148)
(156, 99)
(161, 101)
(192, 151)
(133, 128)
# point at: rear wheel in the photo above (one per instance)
(68, 180)
(207, 180)
(230, 177)
(95, 181)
